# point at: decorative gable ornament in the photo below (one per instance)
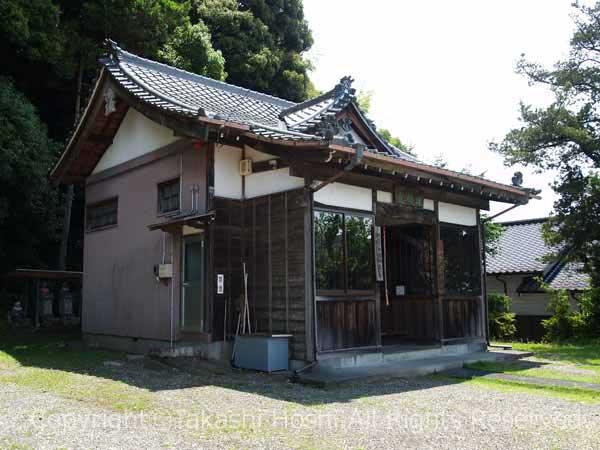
(110, 101)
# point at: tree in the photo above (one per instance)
(396, 142)
(262, 43)
(501, 319)
(28, 204)
(190, 48)
(565, 136)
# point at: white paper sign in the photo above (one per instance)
(220, 283)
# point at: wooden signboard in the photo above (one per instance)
(378, 255)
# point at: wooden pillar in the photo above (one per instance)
(310, 321)
(269, 265)
(286, 262)
(438, 273)
(485, 325)
(377, 283)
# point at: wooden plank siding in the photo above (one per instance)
(462, 317)
(267, 233)
(345, 324)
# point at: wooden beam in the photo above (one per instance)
(386, 182)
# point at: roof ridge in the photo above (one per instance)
(342, 88)
(118, 52)
(524, 221)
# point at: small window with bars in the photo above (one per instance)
(101, 215)
(168, 196)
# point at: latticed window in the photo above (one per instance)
(462, 262)
(168, 196)
(102, 214)
(343, 252)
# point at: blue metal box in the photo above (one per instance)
(264, 352)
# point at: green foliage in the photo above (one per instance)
(28, 205)
(501, 320)
(189, 48)
(396, 142)
(492, 231)
(363, 99)
(565, 137)
(566, 323)
(30, 28)
(586, 322)
(560, 325)
(261, 42)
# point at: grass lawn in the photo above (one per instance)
(57, 364)
(571, 361)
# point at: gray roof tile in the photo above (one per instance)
(520, 250)
(570, 277)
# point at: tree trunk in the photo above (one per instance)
(66, 228)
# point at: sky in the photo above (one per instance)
(443, 73)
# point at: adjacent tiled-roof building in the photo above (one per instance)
(522, 250)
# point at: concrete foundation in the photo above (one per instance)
(217, 351)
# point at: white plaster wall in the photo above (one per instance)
(428, 204)
(384, 197)
(522, 304)
(255, 155)
(460, 215)
(136, 136)
(270, 182)
(345, 196)
(228, 181)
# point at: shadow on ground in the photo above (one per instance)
(47, 350)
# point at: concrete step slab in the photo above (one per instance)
(327, 376)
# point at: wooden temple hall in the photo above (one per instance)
(209, 205)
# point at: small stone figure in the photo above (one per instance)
(17, 314)
(46, 299)
(66, 310)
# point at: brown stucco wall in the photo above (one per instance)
(121, 296)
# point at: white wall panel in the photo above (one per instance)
(228, 181)
(384, 197)
(136, 136)
(428, 204)
(460, 215)
(270, 182)
(345, 196)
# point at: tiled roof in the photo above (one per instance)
(567, 276)
(177, 91)
(186, 93)
(521, 248)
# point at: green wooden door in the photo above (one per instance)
(193, 311)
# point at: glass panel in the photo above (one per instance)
(359, 239)
(461, 260)
(102, 215)
(409, 259)
(168, 196)
(329, 256)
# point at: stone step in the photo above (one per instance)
(405, 368)
(357, 359)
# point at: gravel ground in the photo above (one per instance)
(213, 408)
